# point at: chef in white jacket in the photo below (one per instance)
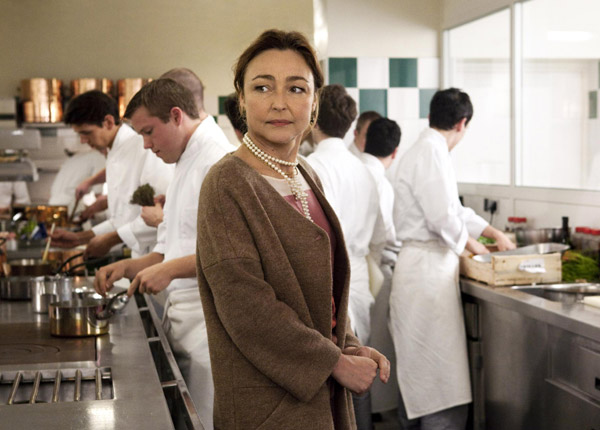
(426, 317)
(381, 145)
(357, 147)
(352, 193)
(165, 114)
(82, 163)
(94, 116)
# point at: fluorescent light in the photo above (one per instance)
(570, 36)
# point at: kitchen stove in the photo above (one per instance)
(30, 343)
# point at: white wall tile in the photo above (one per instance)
(373, 72)
(428, 72)
(403, 104)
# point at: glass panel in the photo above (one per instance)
(479, 54)
(561, 136)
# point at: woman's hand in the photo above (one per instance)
(152, 215)
(503, 242)
(151, 280)
(355, 372)
(382, 362)
(106, 276)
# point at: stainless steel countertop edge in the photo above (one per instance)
(577, 318)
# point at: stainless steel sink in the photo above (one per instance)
(564, 293)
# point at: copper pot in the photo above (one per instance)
(42, 100)
(127, 89)
(82, 85)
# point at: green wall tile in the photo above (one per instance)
(425, 96)
(222, 104)
(343, 71)
(403, 72)
(373, 100)
(593, 100)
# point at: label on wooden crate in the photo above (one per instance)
(534, 265)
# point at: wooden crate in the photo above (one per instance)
(505, 269)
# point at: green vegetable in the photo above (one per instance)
(578, 267)
(486, 240)
(143, 196)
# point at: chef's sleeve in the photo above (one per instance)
(475, 224)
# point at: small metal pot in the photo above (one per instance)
(77, 318)
(30, 267)
(44, 290)
(15, 288)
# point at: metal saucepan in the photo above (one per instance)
(15, 288)
(30, 267)
(77, 318)
(86, 316)
(44, 290)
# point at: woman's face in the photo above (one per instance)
(278, 97)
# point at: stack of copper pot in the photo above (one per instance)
(127, 89)
(42, 100)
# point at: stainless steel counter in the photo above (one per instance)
(577, 318)
(137, 396)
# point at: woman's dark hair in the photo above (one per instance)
(448, 108)
(281, 40)
(91, 107)
(383, 137)
(232, 110)
(337, 110)
(160, 96)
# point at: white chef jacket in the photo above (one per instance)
(352, 193)
(177, 232)
(427, 205)
(426, 319)
(386, 194)
(129, 165)
(18, 189)
(354, 150)
(184, 319)
(73, 171)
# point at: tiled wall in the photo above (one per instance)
(398, 88)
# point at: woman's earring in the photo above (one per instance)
(313, 118)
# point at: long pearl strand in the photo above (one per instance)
(293, 182)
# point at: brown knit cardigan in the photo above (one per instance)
(265, 279)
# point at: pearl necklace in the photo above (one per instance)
(293, 182)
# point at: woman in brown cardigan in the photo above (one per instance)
(272, 266)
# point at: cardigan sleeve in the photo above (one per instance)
(266, 330)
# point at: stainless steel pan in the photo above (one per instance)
(15, 288)
(77, 318)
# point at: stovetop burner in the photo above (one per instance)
(31, 343)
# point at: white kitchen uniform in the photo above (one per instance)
(72, 172)
(354, 150)
(184, 319)
(129, 165)
(426, 319)
(17, 189)
(386, 197)
(352, 193)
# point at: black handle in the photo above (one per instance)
(67, 261)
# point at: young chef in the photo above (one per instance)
(95, 117)
(165, 114)
(351, 191)
(426, 319)
(360, 132)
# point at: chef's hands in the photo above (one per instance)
(106, 276)
(476, 248)
(151, 280)
(100, 245)
(502, 241)
(83, 188)
(99, 205)
(357, 368)
(67, 239)
(152, 215)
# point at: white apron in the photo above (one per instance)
(427, 325)
(361, 300)
(185, 328)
